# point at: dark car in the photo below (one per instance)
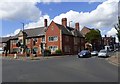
(84, 53)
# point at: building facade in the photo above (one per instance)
(53, 37)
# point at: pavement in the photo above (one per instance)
(114, 59)
(59, 69)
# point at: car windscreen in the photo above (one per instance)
(103, 51)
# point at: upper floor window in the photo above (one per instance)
(27, 40)
(14, 41)
(43, 39)
(53, 38)
(35, 39)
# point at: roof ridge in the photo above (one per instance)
(33, 28)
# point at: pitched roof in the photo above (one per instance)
(69, 31)
(5, 39)
(35, 32)
(30, 33)
(85, 30)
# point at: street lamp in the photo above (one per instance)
(69, 23)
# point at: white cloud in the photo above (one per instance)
(12, 34)
(39, 23)
(105, 15)
(112, 32)
(19, 10)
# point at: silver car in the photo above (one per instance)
(94, 53)
(103, 53)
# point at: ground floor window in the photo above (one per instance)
(53, 48)
(35, 49)
(15, 50)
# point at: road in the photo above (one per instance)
(61, 69)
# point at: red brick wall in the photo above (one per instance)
(53, 30)
(85, 30)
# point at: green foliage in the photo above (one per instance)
(58, 52)
(47, 52)
(92, 35)
(117, 27)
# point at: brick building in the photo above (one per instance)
(96, 44)
(53, 37)
(108, 41)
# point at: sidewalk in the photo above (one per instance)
(114, 59)
(34, 58)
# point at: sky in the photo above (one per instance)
(96, 14)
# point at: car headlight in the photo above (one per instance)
(83, 53)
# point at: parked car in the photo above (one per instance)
(94, 53)
(84, 53)
(103, 53)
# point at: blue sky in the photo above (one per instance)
(54, 9)
(32, 14)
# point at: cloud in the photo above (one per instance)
(105, 15)
(19, 10)
(39, 23)
(112, 32)
(12, 34)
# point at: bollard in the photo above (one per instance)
(31, 57)
(15, 56)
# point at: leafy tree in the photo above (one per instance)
(93, 35)
(117, 27)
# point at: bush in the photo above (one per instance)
(58, 52)
(47, 52)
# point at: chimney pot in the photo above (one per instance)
(77, 26)
(64, 22)
(45, 22)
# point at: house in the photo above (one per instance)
(69, 40)
(53, 37)
(108, 41)
(95, 44)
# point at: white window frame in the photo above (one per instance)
(53, 40)
(53, 46)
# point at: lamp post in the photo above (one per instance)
(69, 23)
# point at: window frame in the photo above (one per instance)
(53, 46)
(53, 39)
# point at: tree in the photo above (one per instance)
(117, 27)
(93, 35)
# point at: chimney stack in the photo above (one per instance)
(64, 22)
(77, 26)
(45, 22)
(105, 35)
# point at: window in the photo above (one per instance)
(53, 48)
(43, 39)
(52, 28)
(35, 39)
(53, 38)
(27, 40)
(35, 49)
(14, 41)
